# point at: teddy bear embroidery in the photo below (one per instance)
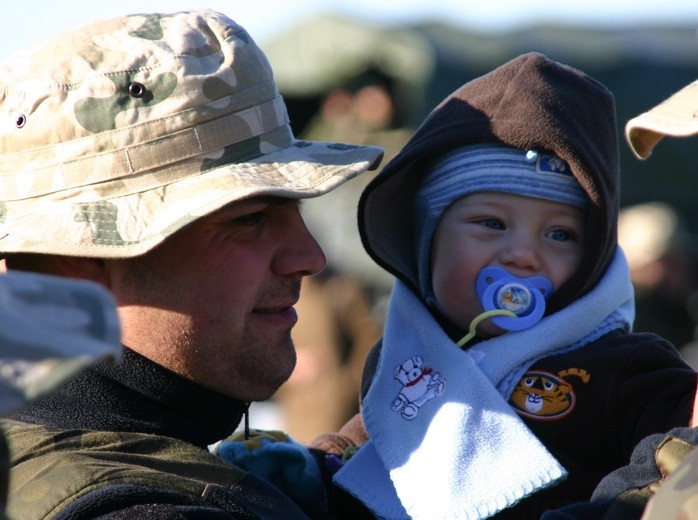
(419, 385)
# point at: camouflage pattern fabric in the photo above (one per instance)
(117, 134)
(677, 496)
(86, 461)
(4, 475)
(50, 327)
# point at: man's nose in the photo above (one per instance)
(302, 254)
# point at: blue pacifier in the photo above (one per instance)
(525, 297)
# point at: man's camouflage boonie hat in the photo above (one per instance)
(117, 134)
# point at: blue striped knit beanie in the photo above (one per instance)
(486, 167)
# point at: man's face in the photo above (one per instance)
(214, 302)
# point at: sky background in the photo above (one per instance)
(31, 20)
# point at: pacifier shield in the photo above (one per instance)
(499, 289)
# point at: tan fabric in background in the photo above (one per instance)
(323, 391)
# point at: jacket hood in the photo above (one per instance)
(530, 102)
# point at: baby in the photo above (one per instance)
(512, 309)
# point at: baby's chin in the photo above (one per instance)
(485, 330)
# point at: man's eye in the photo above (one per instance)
(251, 219)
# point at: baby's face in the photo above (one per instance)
(525, 236)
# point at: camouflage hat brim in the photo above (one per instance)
(116, 135)
(675, 117)
(87, 223)
(50, 328)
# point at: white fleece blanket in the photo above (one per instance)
(444, 442)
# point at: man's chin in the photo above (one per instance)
(268, 383)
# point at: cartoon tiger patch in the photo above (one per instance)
(546, 396)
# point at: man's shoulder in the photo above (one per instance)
(52, 466)
(31, 440)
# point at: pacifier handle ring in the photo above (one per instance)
(516, 322)
(479, 318)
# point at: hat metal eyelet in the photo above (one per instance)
(136, 89)
(20, 121)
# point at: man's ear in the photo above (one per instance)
(92, 269)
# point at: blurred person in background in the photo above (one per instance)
(362, 111)
(663, 259)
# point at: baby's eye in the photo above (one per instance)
(491, 223)
(562, 235)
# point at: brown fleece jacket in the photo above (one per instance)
(531, 102)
